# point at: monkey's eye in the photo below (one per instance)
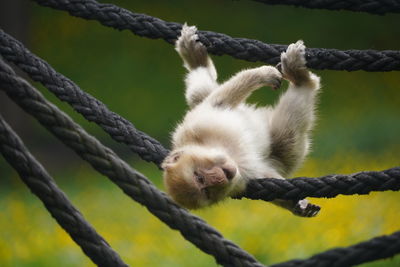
(176, 157)
(199, 177)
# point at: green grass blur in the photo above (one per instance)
(141, 79)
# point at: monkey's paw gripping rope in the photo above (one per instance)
(137, 186)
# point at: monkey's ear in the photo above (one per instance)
(170, 160)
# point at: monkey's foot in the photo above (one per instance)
(304, 208)
(293, 64)
(191, 50)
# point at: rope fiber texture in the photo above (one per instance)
(92, 109)
(133, 183)
(220, 44)
(56, 202)
(328, 186)
(379, 7)
(148, 148)
(374, 249)
(106, 162)
(140, 189)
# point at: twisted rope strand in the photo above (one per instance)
(109, 166)
(379, 7)
(122, 130)
(133, 183)
(374, 249)
(53, 119)
(56, 202)
(220, 44)
(92, 109)
(328, 186)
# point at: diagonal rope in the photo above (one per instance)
(133, 183)
(328, 186)
(220, 44)
(92, 109)
(105, 161)
(374, 249)
(122, 130)
(53, 119)
(56, 202)
(371, 6)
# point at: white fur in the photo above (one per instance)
(260, 141)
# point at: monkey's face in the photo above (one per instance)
(199, 177)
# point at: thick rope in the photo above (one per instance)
(88, 148)
(122, 130)
(56, 202)
(110, 170)
(379, 7)
(374, 249)
(328, 186)
(92, 109)
(133, 183)
(219, 44)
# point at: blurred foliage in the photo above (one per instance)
(141, 79)
(31, 238)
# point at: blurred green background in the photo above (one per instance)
(141, 79)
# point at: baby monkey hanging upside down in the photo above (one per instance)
(223, 142)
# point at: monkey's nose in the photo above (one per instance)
(229, 171)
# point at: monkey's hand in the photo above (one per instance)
(293, 64)
(270, 76)
(303, 208)
(191, 50)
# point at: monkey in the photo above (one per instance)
(222, 142)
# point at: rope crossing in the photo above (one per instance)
(220, 44)
(56, 202)
(137, 186)
(133, 183)
(379, 7)
(119, 128)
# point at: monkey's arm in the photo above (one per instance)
(293, 116)
(202, 75)
(239, 87)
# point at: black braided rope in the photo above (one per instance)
(133, 183)
(219, 44)
(87, 147)
(92, 109)
(123, 131)
(379, 7)
(374, 249)
(128, 190)
(56, 202)
(328, 186)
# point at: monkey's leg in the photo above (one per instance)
(202, 75)
(239, 87)
(292, 120)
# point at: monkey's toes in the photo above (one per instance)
(293, 64)
(188, 31)
(188, 42)
(294, 58)
(305, 209)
